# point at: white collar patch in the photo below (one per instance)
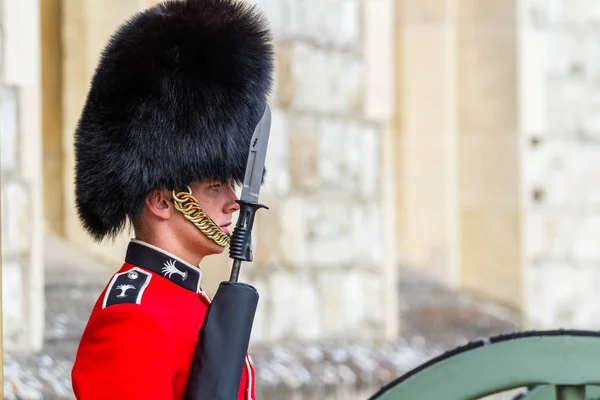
(170, 268)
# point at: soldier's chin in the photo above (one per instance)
(216, 248)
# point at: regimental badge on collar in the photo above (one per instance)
(127, 287)
(164, 264)
(170, 268)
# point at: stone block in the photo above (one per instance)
(2, 60)
(293, 233)
(367, 161)
(426, 184)
(379, 46)
(585, 247)
(103, 18)
(329, 231)
(331, 296)
(353, 308)
(277, 179)
(349, 303)
(486, 12)
(355, 156)
(424, 67)
(536, 14)
(347, 84)
(310, 78)
(489, 170)
(347, 30)
(368, 233)
(21, 41)
(283, 87)
(567, 106)
(563, 234)
(283, 17)
(332, 153)
(491, 255)
(329, 23)
(560, 171)
(310, 24)
(575, 14)
(266, 234)
(12, 303)
(281, 235)
(16, 218)
(276, 15)
(591, 118)
(549, 235)
(349, 157)
(535, 59)
(304, 157)
(564, 52)
(362, 310)
(424, 11)
(572, 64)
(294, 306)
(487, 75)
(593, 12)
(260, 327)
(326, 81)
(8, 129)
(563, 294)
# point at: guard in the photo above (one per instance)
(162, 141)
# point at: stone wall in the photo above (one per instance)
(560, 80)
(322, 261)
(22, 222)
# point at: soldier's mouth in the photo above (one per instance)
(225, 229)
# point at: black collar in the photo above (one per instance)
(165, 264)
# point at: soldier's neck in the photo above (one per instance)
(173, 247)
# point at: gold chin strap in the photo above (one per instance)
(188, 206)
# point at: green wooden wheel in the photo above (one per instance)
(563, 362)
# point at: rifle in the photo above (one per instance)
(224, 337)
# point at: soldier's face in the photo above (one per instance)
(217, 199)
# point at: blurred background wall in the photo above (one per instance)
(559, 79)
(21, 175)
(324, 252)
(456, 139)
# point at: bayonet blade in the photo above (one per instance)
(240, 246)
(256, 159)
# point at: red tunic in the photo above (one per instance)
(142, 333)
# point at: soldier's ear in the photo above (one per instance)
(159, 203)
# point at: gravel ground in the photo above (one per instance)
(433, 319)
(313, 370)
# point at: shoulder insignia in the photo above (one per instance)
(127, 287)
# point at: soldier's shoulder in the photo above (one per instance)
(127, 287)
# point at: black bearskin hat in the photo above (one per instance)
(175, 99)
